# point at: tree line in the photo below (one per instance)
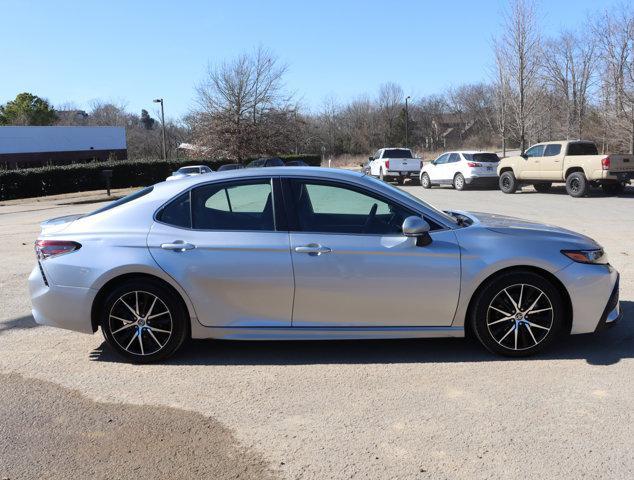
(576, 84)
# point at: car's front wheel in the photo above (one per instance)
(143, 321)
(508, 182)
(425, 181)
(518, 314)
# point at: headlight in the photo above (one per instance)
(596, 256)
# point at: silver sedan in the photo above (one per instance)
(311, 253)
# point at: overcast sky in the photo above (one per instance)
(134, 51)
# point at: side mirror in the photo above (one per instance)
(433, 162)
(418, 228)
(524, 156)
(370, 158)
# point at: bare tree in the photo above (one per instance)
(243, 108)
(502, 95)
(519, 47)
(569, 65)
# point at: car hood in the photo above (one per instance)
(517, 226)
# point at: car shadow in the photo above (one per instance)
(593, 192)
(20, 323)
(604, 348)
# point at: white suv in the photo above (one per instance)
(461, 169)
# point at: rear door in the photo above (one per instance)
(226, 245)
(354, 268)
(552, 162)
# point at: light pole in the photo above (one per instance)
(160, 100)
(406, 121)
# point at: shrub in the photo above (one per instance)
(56, 179)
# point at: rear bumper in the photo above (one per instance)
(618, 176)
(489, 180)
(401, 173)
(58, 306)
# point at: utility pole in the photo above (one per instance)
(160, 100)
(406, 121)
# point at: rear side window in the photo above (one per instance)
(481, 157)
(552, 149)
(582, 148)
(177, 212)
(236, 206)
(454, 157)
(121, 201)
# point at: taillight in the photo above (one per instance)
(605, 163)
(387, 164)
(50, 248)
(473, 164)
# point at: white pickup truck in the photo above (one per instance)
(394, 163)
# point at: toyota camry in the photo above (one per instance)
(312, 254)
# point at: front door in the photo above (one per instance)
(354, 268)
(438, 173)
(220, 243)
(532, 169)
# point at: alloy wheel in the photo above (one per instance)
(520, 317)
(140, 323)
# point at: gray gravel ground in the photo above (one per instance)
(368, 409)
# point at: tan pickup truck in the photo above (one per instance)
(577, 163)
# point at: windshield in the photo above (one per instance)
(188, 170)
(445, 216)
(121, 201)
(481, 157)
(397, 153)
(582, 148)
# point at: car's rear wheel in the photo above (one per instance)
(425, 181)
(577, 184)
(459, 182)
(143, 321)
(542, 187)
(400, 180)
(508, 182)
(518, 314)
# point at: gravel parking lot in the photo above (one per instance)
(365, 409)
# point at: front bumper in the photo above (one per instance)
(612, 313)
(60, 306)
(591, 288)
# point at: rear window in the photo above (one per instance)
(397, 153)
(188, 170)
(481, 157)
(123, 200)
(582, 148)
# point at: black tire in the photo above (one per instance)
(381, 174)
(425, 181)
(497, 334)
(542, 187)
(155, 343)
(400, 180)
(613, 188)
(459, 182)
(577, 184)
(508, 182)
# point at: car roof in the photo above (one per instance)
(316, 172)
(192, 166)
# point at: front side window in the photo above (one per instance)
(235, 206)
(329, 208)
(536, 151)
(552, 149)
(442, 159)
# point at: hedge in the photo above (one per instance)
(56, 179)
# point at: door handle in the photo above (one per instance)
(178, 246)
(313, 249)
